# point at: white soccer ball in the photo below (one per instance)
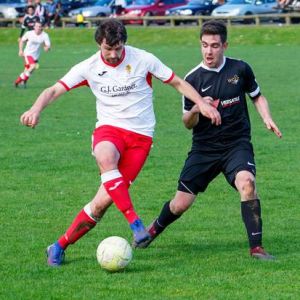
(114, 254)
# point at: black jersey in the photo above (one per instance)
(228, 86)
(28, 23)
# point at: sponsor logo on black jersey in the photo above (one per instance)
(234, 80)
(230, 102)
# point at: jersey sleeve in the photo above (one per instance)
(251, 86)
(74, 78)
(47, 40)
(25, 36)
(158, 69)
(187, 104)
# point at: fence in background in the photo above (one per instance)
(284, 18)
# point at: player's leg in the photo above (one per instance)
(115, 149)
(242, 172)
(29, 68)
(130, 165)
(251, 213)
(199, 169)
(170, 212)
(85, 220)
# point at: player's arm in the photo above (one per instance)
(31, 117)
(262, 107)
(189, 92)
(191, 118)
(21, 46)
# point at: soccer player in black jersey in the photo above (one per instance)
(226, 149)
(29, 20)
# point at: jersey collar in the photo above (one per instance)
(113, 65)
(202, 65)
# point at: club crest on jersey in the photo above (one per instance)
(234, 79)
(128, 69)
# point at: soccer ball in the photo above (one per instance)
(114, 254)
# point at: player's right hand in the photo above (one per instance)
(30, 118)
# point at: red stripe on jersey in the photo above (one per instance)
(65, 86)
(149, 79)
(114, 65)
(172, 76)
(82, 83)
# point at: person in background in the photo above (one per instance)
(52, 13)
(29, 20)
(223, 82)
(40, 11)
(119, 6)
(80, 19)
(34, 40)
(120, 77)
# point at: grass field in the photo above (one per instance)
(47, 176)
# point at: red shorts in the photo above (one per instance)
(29, 60)
(133, 148)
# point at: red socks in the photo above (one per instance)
(79, 227)
(117, 188)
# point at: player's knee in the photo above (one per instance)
(247, 189)
(179, 206)
(107, 162)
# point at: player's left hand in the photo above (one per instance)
(272, 126)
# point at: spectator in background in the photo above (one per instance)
(80, 19)
(29, 20)
(119, 6)
(40, 11)
(52, 13)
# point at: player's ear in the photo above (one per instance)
(225, 45)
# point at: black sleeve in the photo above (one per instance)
(251, 86)
(22, 31)
(187, 103)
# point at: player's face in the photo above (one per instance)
(111, 54)
(212, 50)
(38, 28)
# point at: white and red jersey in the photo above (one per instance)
(34, 43)
(124, 95)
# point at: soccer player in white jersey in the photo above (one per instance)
(120, 78)
(34, 40)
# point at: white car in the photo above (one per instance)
(101, 8)
(12, 9)
(235, 8)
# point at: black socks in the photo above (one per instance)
(251, 214)
(165, 218)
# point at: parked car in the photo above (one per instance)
(101, 8)
(193, 8)
(142, 8)
(67, 5)
(12, 9)
(235, 8)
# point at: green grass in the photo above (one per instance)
(48, 174)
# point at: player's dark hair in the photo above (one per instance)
(29, 6)
(113, 31)
(214, 27)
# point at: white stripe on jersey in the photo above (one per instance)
(34, 43)
(124, 95)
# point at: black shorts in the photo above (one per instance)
(201, 167)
